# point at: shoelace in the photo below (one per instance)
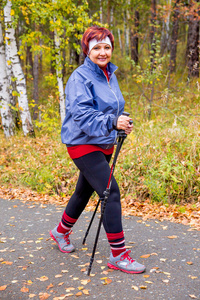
(66, 238)
(126, 255)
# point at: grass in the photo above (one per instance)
(158, 161)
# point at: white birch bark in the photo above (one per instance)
(6, 115)
(59, 74)
(101, 11)
(13, 59)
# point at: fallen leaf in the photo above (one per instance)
(61, 283)
(135, 288)
(145, 255)
(83, 270)
(143, 286)
(189, 262)
(86, 292)
(58, 276)
(163, 259)
(3, 287)
(193, 296)
(172, 237)
(165, 280)
(32, 295)
(75, 256)
(99, 261)
(43, 278)
(85, 281)
(24, 290)
(50, 286)
(79, 294)
(166, 273)
(7, 262)
(148, 281)
(69, 295)
(44, 296)
(146, 276)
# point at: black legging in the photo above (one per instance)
(94, 175)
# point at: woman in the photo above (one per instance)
(94, 107)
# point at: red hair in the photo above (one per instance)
(98, 33)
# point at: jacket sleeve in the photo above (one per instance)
(88, 119)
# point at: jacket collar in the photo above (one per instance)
(111, 68)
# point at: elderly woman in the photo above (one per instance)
(94, 107)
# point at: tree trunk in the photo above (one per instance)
(165, 35)
(35, 85)
(153, 32)
(174, 38)
(108, 13)
(59, 76)
(134, 38)
(193, 40)
(126, 34)
(6, 115)
(120, 41)
(17, 71)
(101, 11)
(36, 79)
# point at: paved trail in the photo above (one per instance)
(32, 267)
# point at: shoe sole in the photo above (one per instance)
(130, 272)
(52, 236)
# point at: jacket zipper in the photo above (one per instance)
(113, 93)
(116, 98)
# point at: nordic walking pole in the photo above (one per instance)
(121, 138)
(100, 199)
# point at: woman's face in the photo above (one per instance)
(101, 54)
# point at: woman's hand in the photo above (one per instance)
(123, 123)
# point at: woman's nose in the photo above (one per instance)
(102, 52)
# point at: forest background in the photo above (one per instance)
(157, 54)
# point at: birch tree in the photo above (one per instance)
(59, 72)
(6, 115)
(174, 38)
(12, 54)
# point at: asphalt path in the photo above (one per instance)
(32, 267)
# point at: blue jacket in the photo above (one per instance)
(92, 105)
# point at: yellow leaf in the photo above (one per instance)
(78, 294)
(3, 287)
(32, 295)
(143, 287)
(145, 255)
(172, 237)
(86, 292)
(99, 261)
(43, 278)
(193, 296)
(135, 288)
(165, 280)
(189, 262)
(146, 276)
(12, 12)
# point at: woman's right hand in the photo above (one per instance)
(123, 123)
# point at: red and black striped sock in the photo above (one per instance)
(117, 243)
(66, 223)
